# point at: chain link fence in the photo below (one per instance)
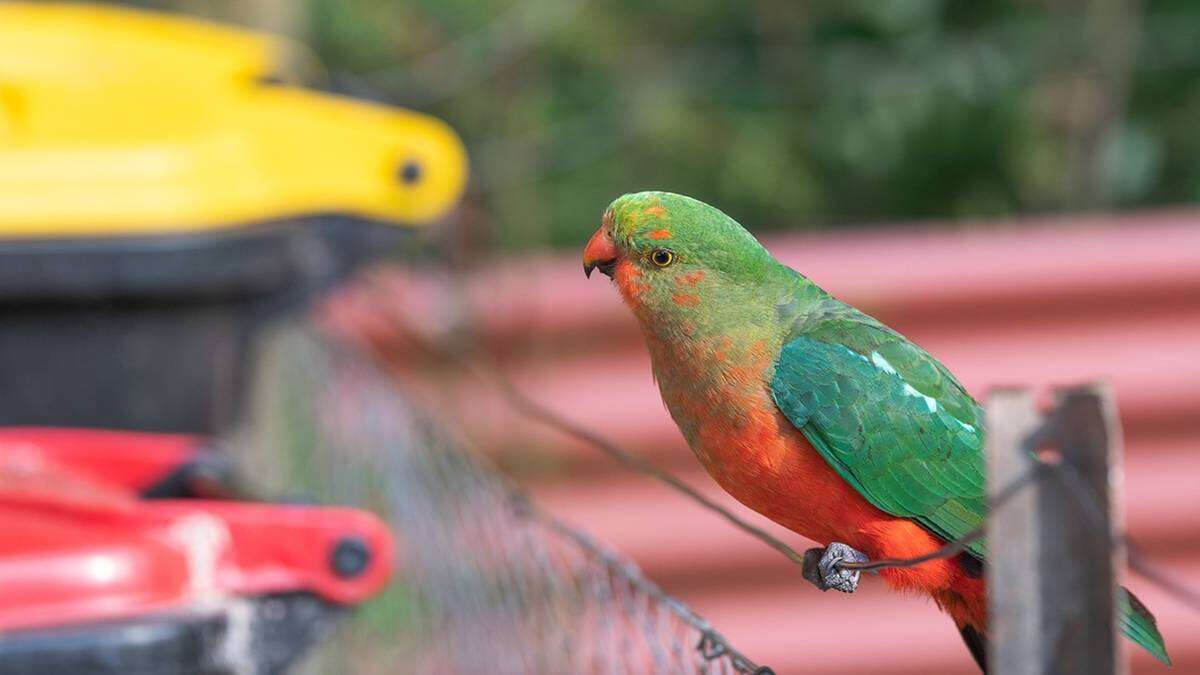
(486, 582)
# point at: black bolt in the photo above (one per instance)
(410, 172)
(350, 557)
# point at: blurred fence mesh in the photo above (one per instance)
(485, 582)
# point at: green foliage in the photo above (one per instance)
(789, 114)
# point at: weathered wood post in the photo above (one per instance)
(1014, 597)
(1053, 570)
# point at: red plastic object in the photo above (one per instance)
(130, 459)
(77, 544)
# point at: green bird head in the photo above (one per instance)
(677, 259)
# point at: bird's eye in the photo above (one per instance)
(662, 257)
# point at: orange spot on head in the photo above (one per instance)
(686, 299)
(660, 234)
(658, 211)
(690, 279)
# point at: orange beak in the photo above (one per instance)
(600, 253)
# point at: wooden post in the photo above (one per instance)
(1083, 629)
(1014, 595)
(1053, 569)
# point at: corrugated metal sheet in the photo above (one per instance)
(1034, 302)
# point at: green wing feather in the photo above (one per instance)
(897, 425)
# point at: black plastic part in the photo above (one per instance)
(285, 627)
(350, 557)
(156, 333)
(154, 646)
(275, 633)
(211, 475)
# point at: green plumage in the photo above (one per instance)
(899, 427)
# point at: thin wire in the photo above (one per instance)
(540, 413)
(523, 404)
(536, 411)
(956, 546)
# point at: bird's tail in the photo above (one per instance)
(976, 641)
(1139, 625)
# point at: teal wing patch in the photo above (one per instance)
(894, 424)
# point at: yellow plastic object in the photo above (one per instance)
(95, 142)
(90, 45)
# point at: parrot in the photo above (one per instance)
(807, 410)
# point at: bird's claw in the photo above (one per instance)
(821, 567)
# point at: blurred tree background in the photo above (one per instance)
(786, 114)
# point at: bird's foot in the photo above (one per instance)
(821, 567)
